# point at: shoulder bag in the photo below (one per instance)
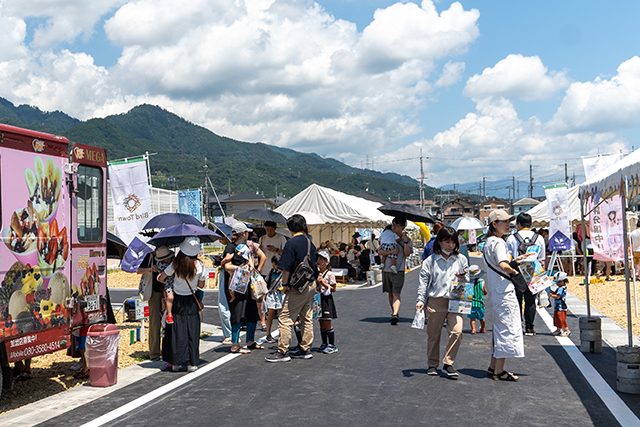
(519, 283)
(303, 274)
(258, 286)
(198, 302)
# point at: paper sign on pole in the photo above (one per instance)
(594, 165)
(605, 227)
(190, 203)
(131, 197)
(559, 218)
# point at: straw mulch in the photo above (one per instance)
(608, 297)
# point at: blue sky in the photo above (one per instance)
(483, 88)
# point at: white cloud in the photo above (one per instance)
(519, 76)
(65, 19)
(451, 74)
(602, 105)
(486, 142)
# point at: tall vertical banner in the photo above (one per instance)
(605, 229)
(594, 165)
(190, 202)
(131, 197)
(559, 218)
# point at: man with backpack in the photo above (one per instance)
(299, 272)
(518, 244)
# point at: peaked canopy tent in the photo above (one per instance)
(620, 178)
(540, 213)
(332, 215)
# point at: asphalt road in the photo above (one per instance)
(378, 377)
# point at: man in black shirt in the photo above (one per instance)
(296, 303)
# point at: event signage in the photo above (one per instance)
(559, 218)
(142, 309)
(131, 197)
(190, 203)
(32, 345)
(605, 227)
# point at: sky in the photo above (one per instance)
(484, 90)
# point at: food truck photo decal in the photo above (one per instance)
(52, 211)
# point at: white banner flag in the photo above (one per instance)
(131, 197)
(594, 165)
(559, 214)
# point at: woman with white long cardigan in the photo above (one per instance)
(503, 310)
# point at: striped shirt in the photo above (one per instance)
(478, 294)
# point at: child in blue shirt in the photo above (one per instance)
(560, 305)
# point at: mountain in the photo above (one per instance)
(179, 148)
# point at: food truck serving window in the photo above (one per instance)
(90, 221)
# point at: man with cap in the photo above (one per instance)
(392, 283)
(515, 244)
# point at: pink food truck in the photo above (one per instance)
(53, 251)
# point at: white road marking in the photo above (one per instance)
(142, 400)
(616, 406)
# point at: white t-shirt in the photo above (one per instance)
(512, 244)
(388, 237)
(278, 241)
(180, 285)
(495, 251)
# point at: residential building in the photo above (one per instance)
(523, 205)
(489, 205)
(457, 208)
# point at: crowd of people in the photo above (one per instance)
(300, 284)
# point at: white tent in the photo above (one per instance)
(332, 215)
(540, 213)
(622, 178)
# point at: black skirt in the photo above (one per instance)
(181, 343)
(243, 308)
(328, 307)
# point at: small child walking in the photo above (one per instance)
(560, 305)
(275, 298)
(477, 304)
(326, 286)
(389, 242)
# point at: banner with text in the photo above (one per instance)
(605, 226)
(190, 203)
(131, 197)
(559, 222)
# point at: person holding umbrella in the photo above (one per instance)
(392, 283)
(182, 338)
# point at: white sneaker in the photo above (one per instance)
(176, 368)
(394, 269)
(191, 368)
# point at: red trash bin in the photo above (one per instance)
(102, 354)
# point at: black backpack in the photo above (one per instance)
(524, 244)
(303, 273)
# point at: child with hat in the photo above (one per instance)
(560, 305)
(477, 304)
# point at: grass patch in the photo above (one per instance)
(204, 335)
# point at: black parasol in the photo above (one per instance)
(115, 246)
(402, 210)
(263, 215)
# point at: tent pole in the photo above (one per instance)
(623, 200)
(584, 256)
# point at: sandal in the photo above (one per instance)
(255, 346)
(81, 375)
(505, 376)
(24, 375)
(491, 372)
(241, 350)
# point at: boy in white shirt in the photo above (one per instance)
(389, 242)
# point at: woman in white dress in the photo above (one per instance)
(502, 305)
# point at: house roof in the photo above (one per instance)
(494, 200)
(526, 201)
(460, 202)
(245, 195)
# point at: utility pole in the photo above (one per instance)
(421, 181)
(484, 188)
(530, 180)
(566, 177)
